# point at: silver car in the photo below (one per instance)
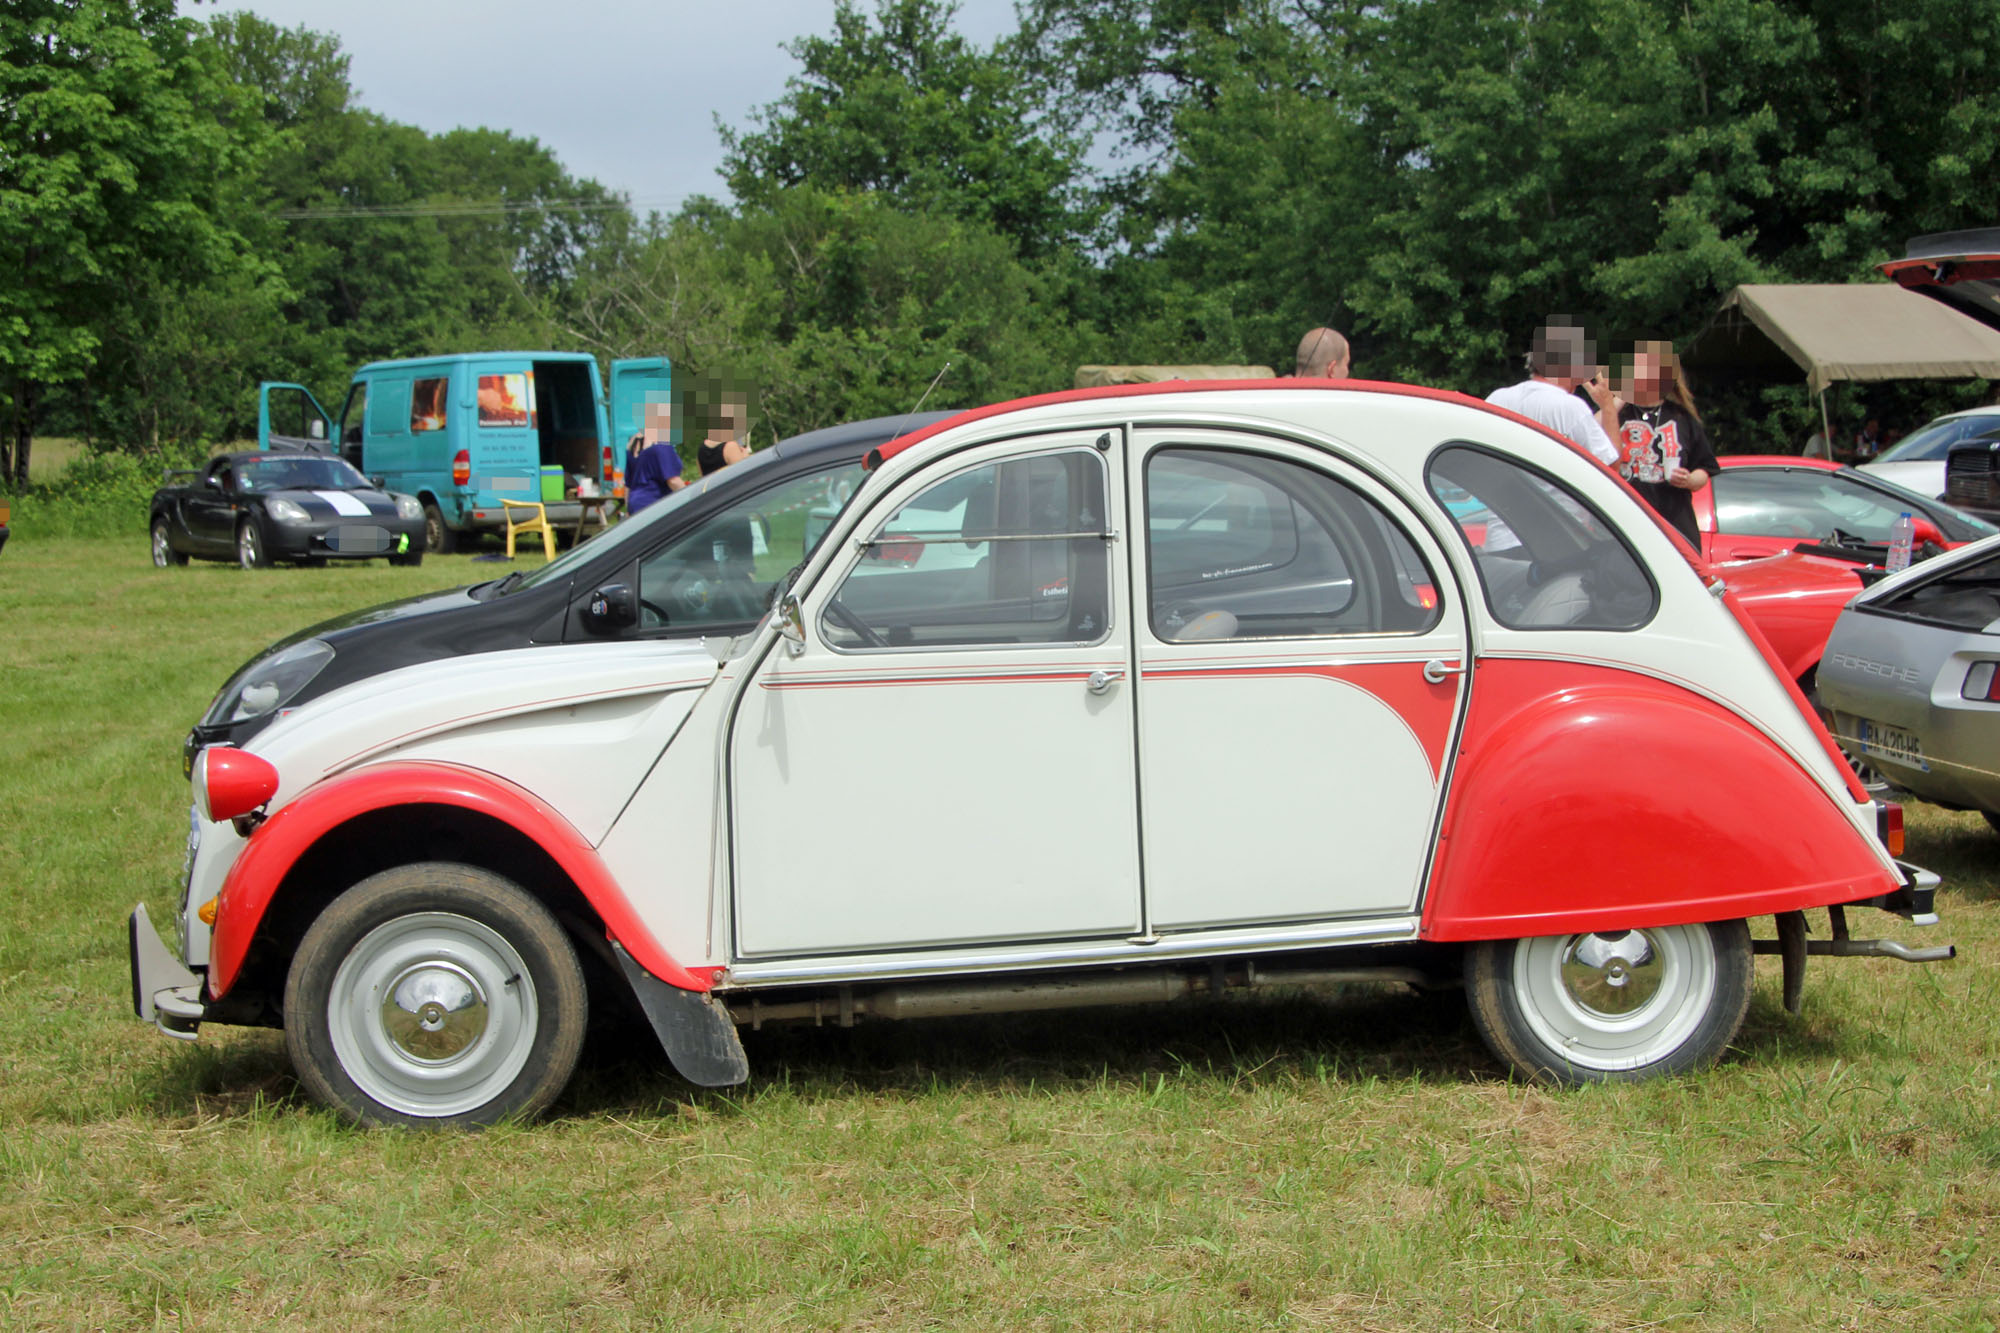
(1912, 674)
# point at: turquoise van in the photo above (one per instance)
(464, 432)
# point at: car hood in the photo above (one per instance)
(328, 504)
(1971, 553)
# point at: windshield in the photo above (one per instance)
(635, 529)
(301, 472)
(1932, 442)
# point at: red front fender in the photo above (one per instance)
(278, 844)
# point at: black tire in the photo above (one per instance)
(251, 553)
(438, 535)
(410, 558)
(164, 553)
(1611, 1007)
(380, 1003)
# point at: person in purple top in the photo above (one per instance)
(652, 470)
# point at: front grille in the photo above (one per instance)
(1970, 477)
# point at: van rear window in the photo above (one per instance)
(506, 400)
(427, 399)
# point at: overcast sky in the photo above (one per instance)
(623, 91)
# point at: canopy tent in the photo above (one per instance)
(1092, 377)
(1843, 331)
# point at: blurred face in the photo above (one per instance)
(1647, 376)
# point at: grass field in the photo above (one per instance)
(1359, 1163)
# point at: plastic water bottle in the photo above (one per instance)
(1900, 540)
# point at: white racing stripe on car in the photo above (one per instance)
(344, 504)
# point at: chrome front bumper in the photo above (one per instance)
(164, 992)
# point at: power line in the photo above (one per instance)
(492, 208)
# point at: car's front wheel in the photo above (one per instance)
(250, 552)
(1613, 1005)
(164, 553)
(435, 994)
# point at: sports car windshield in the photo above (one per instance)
(299, 474)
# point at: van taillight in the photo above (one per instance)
(1889, 826)
(610, 472)
(461, 467)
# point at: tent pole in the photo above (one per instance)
(1825, 430)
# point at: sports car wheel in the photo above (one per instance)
(1614, 1005)
(435, 995)
(250, 552)
(438, 535)
(408, 558)
(164, 553)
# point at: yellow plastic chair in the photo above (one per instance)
(538, 522)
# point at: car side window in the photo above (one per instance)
(1242, 545)
(1014, 552)
(722, 570)
(427, 403)
(1546, 559)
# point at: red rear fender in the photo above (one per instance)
(1591, 799)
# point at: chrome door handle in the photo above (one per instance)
(1435, 670)
(1100, 681)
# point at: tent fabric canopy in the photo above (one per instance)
(1096, 377)
(1843, 331)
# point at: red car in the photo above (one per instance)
(1792, 534)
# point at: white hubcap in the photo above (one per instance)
(1616, 1000)
(432, 1014)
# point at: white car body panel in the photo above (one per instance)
(1923, 477)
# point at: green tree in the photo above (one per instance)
(113, 151)
(904, 107)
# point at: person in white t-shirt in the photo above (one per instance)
(1561, 359)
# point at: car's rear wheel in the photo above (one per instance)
(164, 553)
(437, 995)
(250, 552)
(438, 535)
(1614, 1005)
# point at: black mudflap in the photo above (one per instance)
(697, 1032)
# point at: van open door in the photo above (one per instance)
(636, 385)
(290, 418)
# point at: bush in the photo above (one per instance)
(97, 495)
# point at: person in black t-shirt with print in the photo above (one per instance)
(1663, 449)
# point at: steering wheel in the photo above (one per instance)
(848, 620)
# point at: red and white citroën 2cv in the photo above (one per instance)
(1097, 698)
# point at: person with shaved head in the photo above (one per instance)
(1323, 355)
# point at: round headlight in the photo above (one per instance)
(286, 511)
(408, 507)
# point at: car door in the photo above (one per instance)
(1302, 670)
(946, 759)
(211, 507)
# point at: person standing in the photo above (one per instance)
(652, 464)
(1666, 454)
(1561, 359)
(1323, 354)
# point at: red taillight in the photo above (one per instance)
(461, 467)
(229, 784)
(1982, 681)
(610, 473)
(1889, 824)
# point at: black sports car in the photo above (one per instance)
(702, 561)
(257, 508)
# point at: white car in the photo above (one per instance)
(1916, 463)
(1147, 693)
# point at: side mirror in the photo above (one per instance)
(1922, 530)
(792, 624)
(317, 429)
(613, 607)
(213, 482)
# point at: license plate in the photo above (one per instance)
(1893, 743)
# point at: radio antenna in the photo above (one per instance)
(920, 402)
